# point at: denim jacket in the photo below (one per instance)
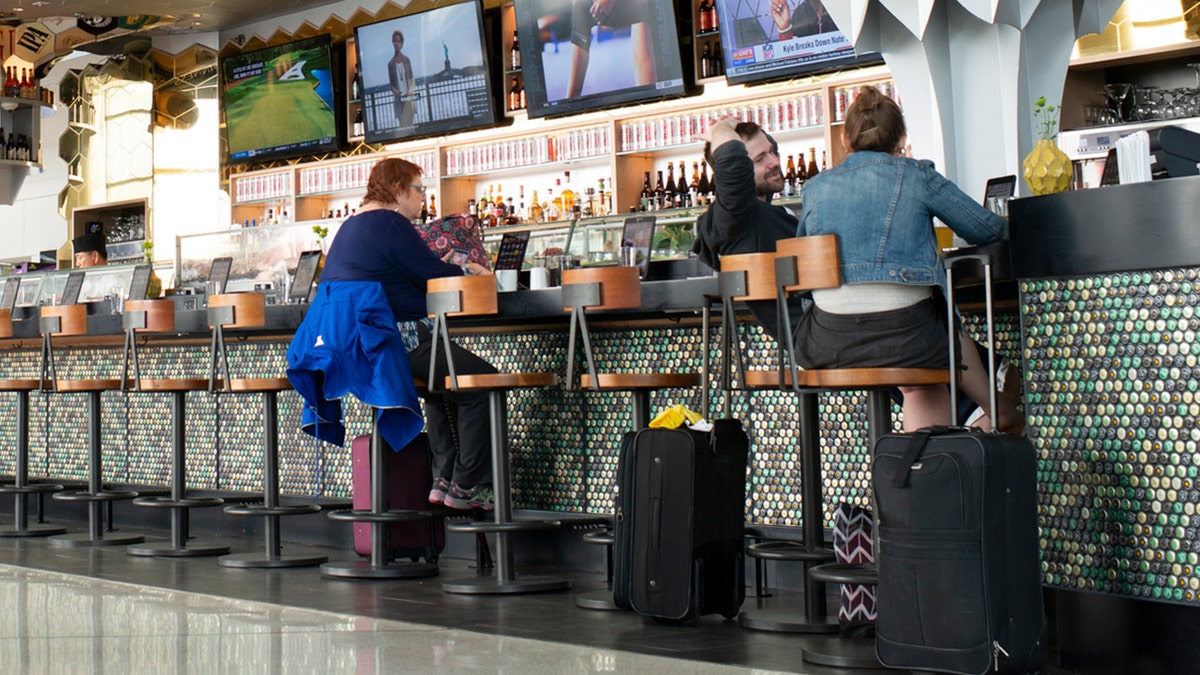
(882, 209)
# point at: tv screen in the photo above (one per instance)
(425, 74)
(279, 101)
(765, 40)
(576, 55)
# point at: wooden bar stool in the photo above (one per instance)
(21, 488)
(749, 277)
(71, 320)
(610, 288)
(158, 316)
(806, 264)
(240, 311)
(476, 296)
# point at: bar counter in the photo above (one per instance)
(1110, 306)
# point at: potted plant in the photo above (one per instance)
(154, 289)
(1046, 168)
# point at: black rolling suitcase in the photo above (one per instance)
(679, 522)
(959, 574)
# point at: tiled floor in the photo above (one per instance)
(83, 609)
(100, 610)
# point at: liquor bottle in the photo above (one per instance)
(536, 214)
(812, 163)
(670, 198)
(681, 188)
(432, 206)
(706, 61)
(702, 17)
(660, 193)
(522, 94)
(601, 208)
(789, 178)
(514, 95)
(358, 123)
(514, 54)
(553, 206)
(705, 188)
(718, 59)
(647, 193)
(567, 195)
(10, 82)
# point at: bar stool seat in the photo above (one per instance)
(71, 320)
(20, 488)
(240, 311)
(474, 296)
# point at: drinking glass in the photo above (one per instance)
(1116, 94)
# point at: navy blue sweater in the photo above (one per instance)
(384, 246)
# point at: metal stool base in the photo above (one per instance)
(166, 549)
(363, 569)
(785, 621)
(85, 539)
(35, 530)
(601, 601)
(493, 586)
(260, 559)
(842, 652)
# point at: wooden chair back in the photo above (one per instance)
(160, 315)
(249, 310)
(814, 260)
(620, 287)
(476, 294)
(748, 276)
(72, 319)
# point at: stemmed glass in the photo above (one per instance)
(1116, 95)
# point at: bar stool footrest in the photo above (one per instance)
(845, 573)
(600, 538)
(185, 503)
(364, 516)
(486, 526)
(31, 489)
(363, 569)
(103, 496)
(788, 550)
(261, 510)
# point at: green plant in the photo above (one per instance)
(321, 232)
(1046, 118)
(148, 250)
(676, 236)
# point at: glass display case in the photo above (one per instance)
(264, 257)
(36, 289)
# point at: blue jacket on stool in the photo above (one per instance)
(349, 343)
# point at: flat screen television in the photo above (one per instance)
(763, 40)
(280, 101)
(573, 61)
(425, 74)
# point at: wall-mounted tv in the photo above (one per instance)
(280, 101)
(425, 74)
(577, 55)
(766, 40)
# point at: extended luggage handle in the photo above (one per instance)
(949, 262)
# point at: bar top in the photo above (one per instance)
(1110, 229)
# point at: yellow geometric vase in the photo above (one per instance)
(1047, 169)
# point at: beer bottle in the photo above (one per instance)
(660, 193)
(681, 188)
(514, 55)
(789, 178)
(812, 163)
(647, 193)
(670, 199)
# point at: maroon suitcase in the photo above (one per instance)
(409, 479)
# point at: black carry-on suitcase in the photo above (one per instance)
(679, 522)
(959, 574)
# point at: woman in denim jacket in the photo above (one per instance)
(890, 310)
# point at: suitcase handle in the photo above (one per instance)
(949, 262)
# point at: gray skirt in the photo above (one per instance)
(912, 337)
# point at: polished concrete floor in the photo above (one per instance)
(84, 609)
